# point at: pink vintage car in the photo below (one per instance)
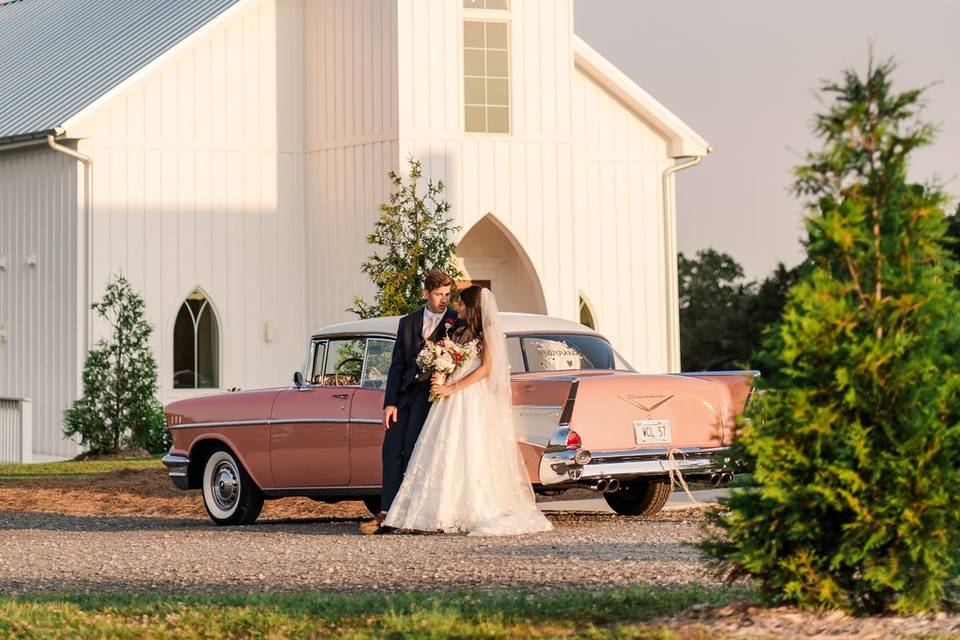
(584, 418)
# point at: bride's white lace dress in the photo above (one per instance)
(465, 474)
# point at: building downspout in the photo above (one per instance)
(672, 278)
(87, 233)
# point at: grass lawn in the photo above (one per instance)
(75, 468)
(611, 613)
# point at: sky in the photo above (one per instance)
(744, 74)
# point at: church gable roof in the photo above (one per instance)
(59, 56)
(684, 141)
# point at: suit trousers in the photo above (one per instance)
(400, 439)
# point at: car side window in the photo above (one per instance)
(344, 363)
(316, 367)
(377, 363)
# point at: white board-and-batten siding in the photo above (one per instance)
(39, 289)
(199, 182)
(250, 160)
(350, 144)
(577, 181)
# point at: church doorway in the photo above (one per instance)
(492, 257)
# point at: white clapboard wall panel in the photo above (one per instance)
(350, 50)
(577, 182)
(622, 260)
(38, 290)
(522, 179)
(199, 182)
(16, 430)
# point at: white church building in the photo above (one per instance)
(228, 157)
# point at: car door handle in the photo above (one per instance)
(341, 396)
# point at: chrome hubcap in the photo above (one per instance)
(225, 485)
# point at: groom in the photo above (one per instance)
(405, 402)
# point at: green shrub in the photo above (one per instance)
(119, 407)
(857, 453)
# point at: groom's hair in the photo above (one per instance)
(436, 279)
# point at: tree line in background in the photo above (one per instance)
(725, 319)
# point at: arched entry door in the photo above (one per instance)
(492, 256)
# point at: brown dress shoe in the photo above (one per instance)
(371, 527)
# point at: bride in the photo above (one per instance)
(465, 474)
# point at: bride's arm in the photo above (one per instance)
(478, 374)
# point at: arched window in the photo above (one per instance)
(196, 344)
(586, 315)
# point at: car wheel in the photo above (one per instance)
(229, 493)
(639, 497)
(372, 504)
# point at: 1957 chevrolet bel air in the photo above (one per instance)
(584, 418)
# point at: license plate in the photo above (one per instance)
(652, 431)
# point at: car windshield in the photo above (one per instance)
(534, 353)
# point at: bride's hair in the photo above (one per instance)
(472, 315)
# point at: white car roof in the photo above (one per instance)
(513, 324)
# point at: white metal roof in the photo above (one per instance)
(61, 55)
(513, 323)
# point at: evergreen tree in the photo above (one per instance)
(119, 408)
(857, 454)
(415, 231)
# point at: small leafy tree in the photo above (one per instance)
(119, 408)
(415, 231)
(857, 454)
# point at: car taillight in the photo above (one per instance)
(573, 440)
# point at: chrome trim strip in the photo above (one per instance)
(365, 421)
(309, 421)
(557, 467)
(567, 412)
(730, 372)
(545, 407)
(227, 423)
(642, 467)
(653, 453)
(247, 423)
(336, 487)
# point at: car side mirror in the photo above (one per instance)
(297, 379)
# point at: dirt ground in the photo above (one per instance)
(146, 492)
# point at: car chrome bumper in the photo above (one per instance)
(177, 466)
(557, 467)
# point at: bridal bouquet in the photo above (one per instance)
(443, 357)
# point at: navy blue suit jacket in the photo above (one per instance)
(403, 365)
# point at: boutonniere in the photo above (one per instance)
(448, 324)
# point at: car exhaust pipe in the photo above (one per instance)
(602, 486)
(613, 485)
(720, 479)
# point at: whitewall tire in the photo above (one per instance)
(229, 494)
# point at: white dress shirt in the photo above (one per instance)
(430, 322)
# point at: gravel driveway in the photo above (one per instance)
(43, 552)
